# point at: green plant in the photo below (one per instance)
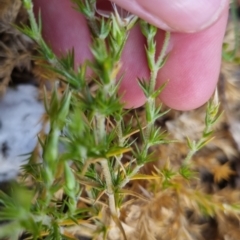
(91, 154)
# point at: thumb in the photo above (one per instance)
(180, 16)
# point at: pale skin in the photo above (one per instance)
(192, 70)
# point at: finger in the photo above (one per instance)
(181, 15)
(193, 66)
(134, 67)
(64, 28)
(134, 60)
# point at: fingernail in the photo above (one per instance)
(181, 15)
(106, 8)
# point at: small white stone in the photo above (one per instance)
(20, 123)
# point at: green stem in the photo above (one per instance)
(159, 62)
(37, 36)
(189, 157)
(92, 23)
(151, 102)
(133, 173)
(150, 124)
(164, 50)
(120, 143)
(100, 127)
(33, 23)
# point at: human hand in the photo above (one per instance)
(194, 50)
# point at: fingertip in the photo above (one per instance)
(180, 16)
(64, 28)
(192, 67)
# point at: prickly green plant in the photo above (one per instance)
(90, 154)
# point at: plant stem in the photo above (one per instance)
(159, 62)
(151, 102)
(110, 192)
(189, 157)
(120, 144)
(101, 134)
(100, 127)
(152, 106)
(128, 178)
